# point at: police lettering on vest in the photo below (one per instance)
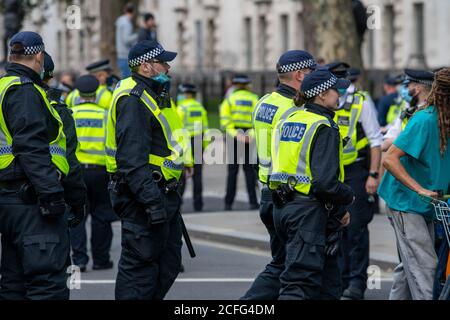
(90, 122)
(269, 110)
(291, 150)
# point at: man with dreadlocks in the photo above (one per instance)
(418, 164)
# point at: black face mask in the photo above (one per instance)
(415, 97)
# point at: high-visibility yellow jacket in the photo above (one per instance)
(268, 112)
(291, 150)
(90, 122)
(57, 147)
(236, 111)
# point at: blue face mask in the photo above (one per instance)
(161, 78)
(180, 97)
(342, 92)
(404, 93)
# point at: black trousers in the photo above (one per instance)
(308, 273)
(102, 214)
(354, 259)
(249, 172)
(197, 179)
(267, 284)
(35, 252)
(151, 255)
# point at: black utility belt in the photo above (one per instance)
(93, 167)
(13, 185)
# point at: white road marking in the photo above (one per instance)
(193, 280)
(188, 280)
(230, 247)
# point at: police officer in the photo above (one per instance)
(357, 120)
(390, 105)
(416, 87)
(90, 122)
(73, 183)
(236, 119)
(146, 159)
(102, 71)
(309, 193)
(35, 241)
(194, 119)
(292, 67)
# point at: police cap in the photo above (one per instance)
(49, 66)
(320, 81)
(294, 60)
(31, 42)
(87, 85)
(146, 50)
(338, 68)
(419, 76)
(187, 88)
(99, 66)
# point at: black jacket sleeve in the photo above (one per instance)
(325, 168)
(134, 125)
(74, 187)
(28, 121)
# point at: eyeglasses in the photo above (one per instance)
(160, 62)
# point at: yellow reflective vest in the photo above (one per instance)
(193, 116)
(395, 110)
(269, 111)
(347, 119)
(103, 97)
(291, 150)
(90, 123)
(236, 111)
(57, 147)
(171, 166)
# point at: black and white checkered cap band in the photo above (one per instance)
(28, 51)
(145, 57)
(321, 87)
(425, 82)
(297, 66)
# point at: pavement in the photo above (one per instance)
(244, 228)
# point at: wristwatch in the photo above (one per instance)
(374, 174)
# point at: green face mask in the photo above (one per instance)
(180, 97)
(342, 92)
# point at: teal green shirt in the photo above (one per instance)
(423, 162)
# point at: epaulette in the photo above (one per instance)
(25, 80)
(138, 90)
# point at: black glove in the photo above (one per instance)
(76, 215)
(156, 214)
(52, 205)
(332, 243)
(282, 195)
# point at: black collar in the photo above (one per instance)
(286, 91)
(151, 86)
(318, 109)
(20, 70)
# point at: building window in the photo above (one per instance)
(248, 43)
(371, 48)
(390, 34)
(180, 41)
(210, 48)
(299, 31)
(199, 39)
(419, 29)
(285, 32)
(262, 41)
